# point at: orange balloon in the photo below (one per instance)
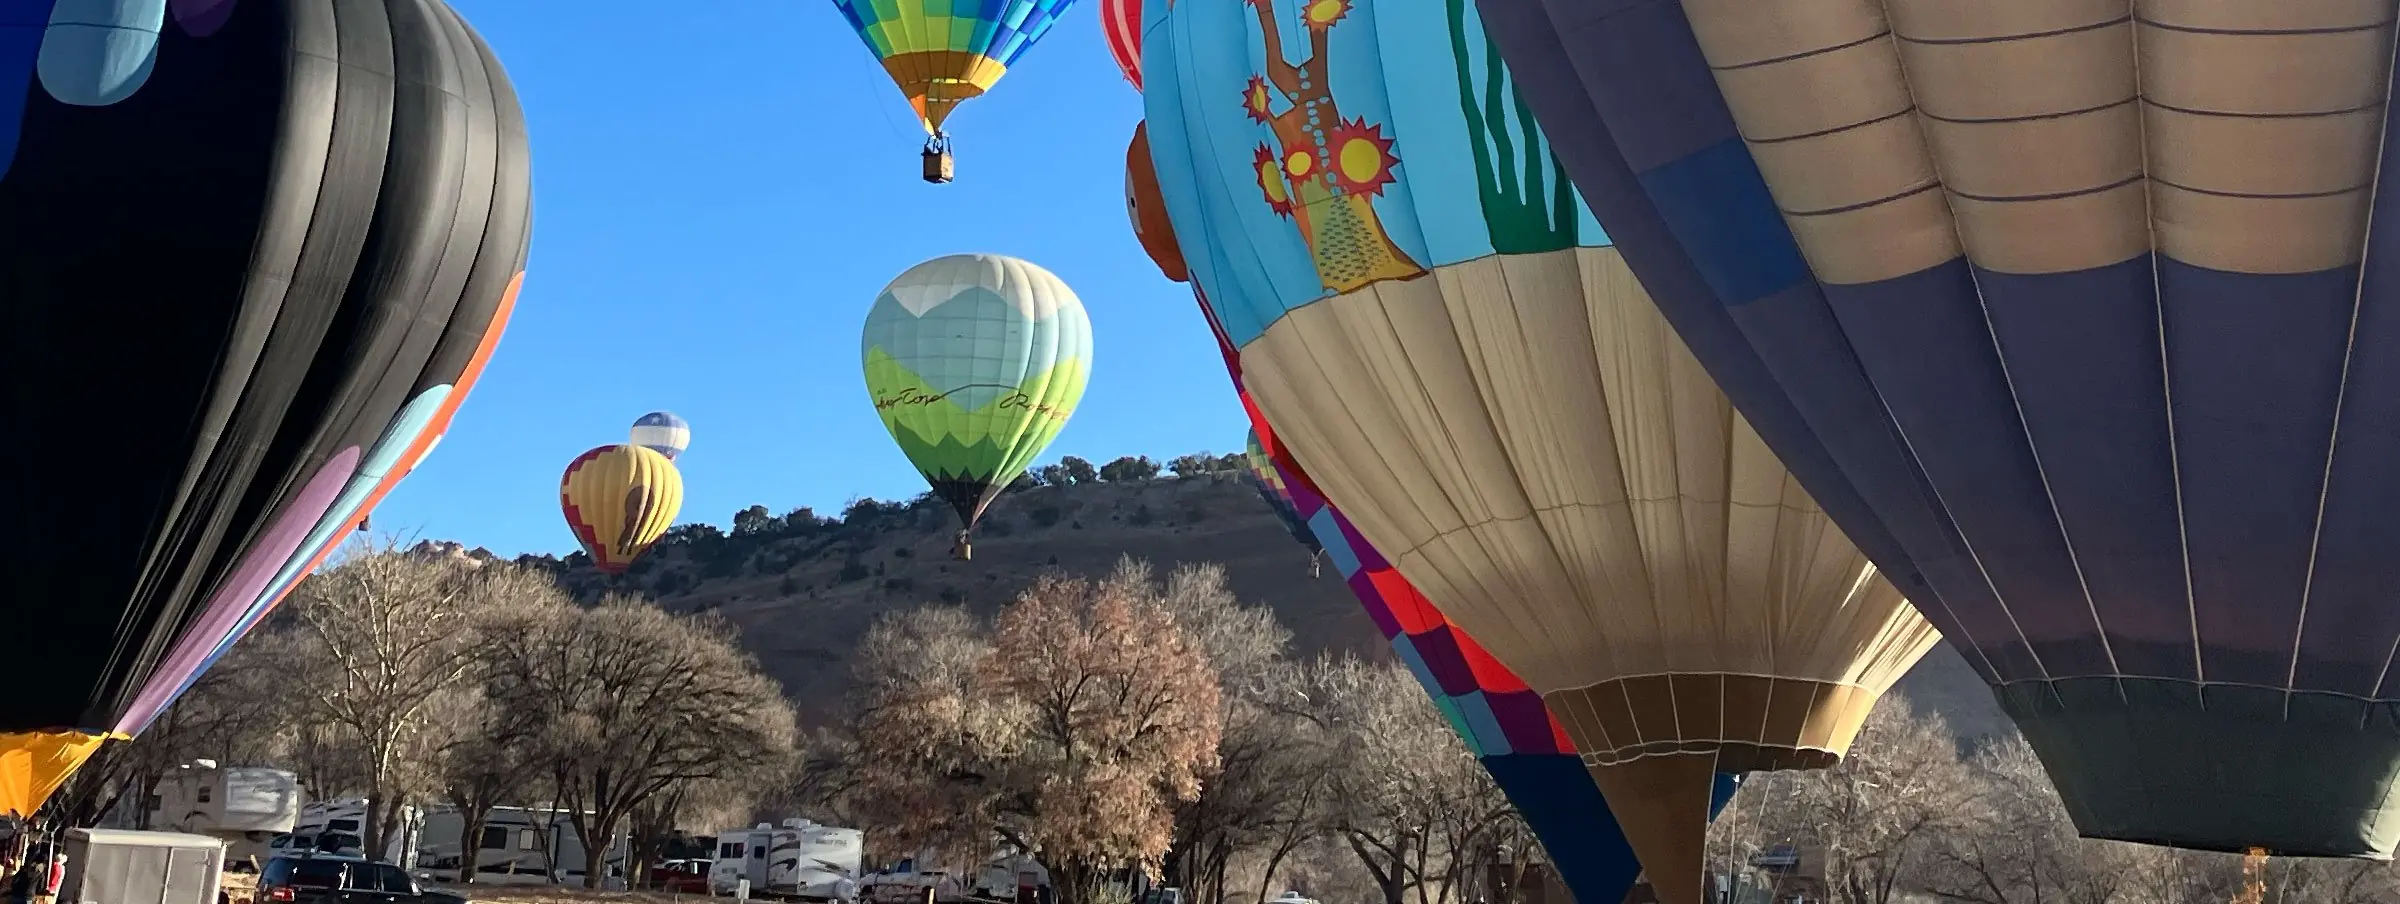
(1148, 208)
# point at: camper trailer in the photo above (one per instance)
(801, 860)
(338, 828)
(518, 846)
(245, 806)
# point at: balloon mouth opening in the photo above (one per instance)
(1749, 723)
(2223, 768)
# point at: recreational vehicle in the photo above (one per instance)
(518, 846)
(801, 860)
(338, 828)
(245, 806)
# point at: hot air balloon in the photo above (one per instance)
(619, 500)
(1435, 328)
(1504, 722)
(252, 271)
(2086, 322)
(1148, 210)
(662, 432)
(1121, 24)
(941, 53)
(975, 362)
(1279, 499)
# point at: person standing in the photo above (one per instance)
(23, 883)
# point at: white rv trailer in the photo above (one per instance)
(800, 860)
(518, 846)
(245, 806)
(345, 821)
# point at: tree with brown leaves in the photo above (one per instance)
(1073, 735)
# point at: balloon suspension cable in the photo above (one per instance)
(962, 547)
(1316, 564)
(940, 167)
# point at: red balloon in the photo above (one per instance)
(1121, 21)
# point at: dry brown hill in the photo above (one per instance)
(803, 589)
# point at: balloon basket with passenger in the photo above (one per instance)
(940, 166)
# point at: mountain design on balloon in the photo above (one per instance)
(974, 363)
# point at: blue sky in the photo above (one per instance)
(719, 192)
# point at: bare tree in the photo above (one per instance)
(383, 646)
(1266, 792)
(1875, 815)
(1403, 774)
(918, 765)
(712, 803)
(487, 764)
(625, 702)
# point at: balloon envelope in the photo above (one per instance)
(619, 500)
(1278, 497)
(975, 362)
(1148, 209)
(2084, 326)
(1121, 25)
(941, 53)
(251, 260)
(1505, 723)
(1440, 334)
(662, 432)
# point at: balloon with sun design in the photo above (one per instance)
(1428, 319)
(1362, 159)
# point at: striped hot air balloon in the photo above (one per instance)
(1121, 24)
(662, 432)
(945, 52)
(2081, 317)
(252, 333)
(619, 500)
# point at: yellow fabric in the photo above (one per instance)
(936, 81)
(34, 763)
(619, 500)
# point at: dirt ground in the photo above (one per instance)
(542, 894)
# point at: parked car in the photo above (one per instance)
(342, 880)
(681, 876)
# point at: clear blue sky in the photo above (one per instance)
(720, 190)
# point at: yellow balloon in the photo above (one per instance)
(619, 500)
